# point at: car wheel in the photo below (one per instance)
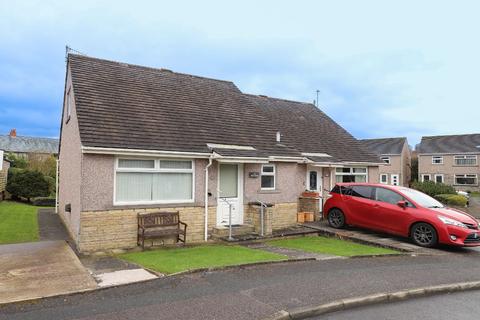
(336, 218)
(424, 235)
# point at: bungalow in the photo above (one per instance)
(136, 139)
(396, 156)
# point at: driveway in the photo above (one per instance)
(40, 269)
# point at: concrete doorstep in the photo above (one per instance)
(350, 303)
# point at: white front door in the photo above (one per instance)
(314, 183)
(395, 179)
(230, 192)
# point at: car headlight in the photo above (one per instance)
(452, 222)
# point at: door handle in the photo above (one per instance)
(376, 206)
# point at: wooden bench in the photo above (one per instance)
(158, 225)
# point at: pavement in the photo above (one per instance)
(255, 292)
(463, 305)
(40, 269)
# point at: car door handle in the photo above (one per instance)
(376, 206)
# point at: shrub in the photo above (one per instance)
(44, 164)
(44, 202)
(51, 185)
(452, 199)
(432, 189)
(27, 184)
(17, 161)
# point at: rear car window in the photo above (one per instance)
(342, 190)
(362, 192)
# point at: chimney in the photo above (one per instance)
(13, 133)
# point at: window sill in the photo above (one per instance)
(465, 165)
(274, 191)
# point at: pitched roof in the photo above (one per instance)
(385, 145)
(28, 144)
(450, 144)
(311, 131)
(128, 106)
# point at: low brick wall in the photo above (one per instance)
(117, 229)
(284, 215)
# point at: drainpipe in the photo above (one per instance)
(56, 186)
(206, 196)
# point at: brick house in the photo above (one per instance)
(136, 139)
(396, 156)
(451, 159)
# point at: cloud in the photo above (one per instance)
(383, 69)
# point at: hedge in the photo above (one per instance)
(432, 189)
(23, 183)
(452, 199)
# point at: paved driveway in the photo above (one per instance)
(40, 269)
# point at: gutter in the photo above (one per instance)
(143, 152)
(210, 160)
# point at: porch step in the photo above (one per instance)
(220, 232)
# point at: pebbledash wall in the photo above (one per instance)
(104, 226)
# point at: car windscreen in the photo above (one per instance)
(421, 198)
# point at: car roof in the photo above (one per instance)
(348, 184)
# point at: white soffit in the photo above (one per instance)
(229, 146)
(307, 154)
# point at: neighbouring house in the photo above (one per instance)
(136, 139)
(396, 156)
(28, 146)
(451, 159)
(4, 166)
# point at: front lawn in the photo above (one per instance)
(18, 222)
(329, 246)
(172, 260)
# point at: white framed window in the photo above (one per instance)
(439, 178)
(268, 177)
(426, 177)
(385, 159)
(351, 174)
(384, 178)
(153, 181)
(437, 159)
(466, 179)
(466, 160)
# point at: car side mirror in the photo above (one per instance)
(402, 204)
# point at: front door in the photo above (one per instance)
(314, 183)
(230, 193)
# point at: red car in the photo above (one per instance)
(400, 211)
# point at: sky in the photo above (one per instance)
(383, 68)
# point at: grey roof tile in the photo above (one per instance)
(469, 143)
(22, 144)
(128, 106)
(385, 145)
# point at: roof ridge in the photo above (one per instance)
(150, 68)
(274, 98)
(404, 138)
(452, 135)
(31, 137)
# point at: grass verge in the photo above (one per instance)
(331, 246)
(18, 222)
(172, 260)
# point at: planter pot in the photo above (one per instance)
(309, 217)
(310, 194)
(301, 217)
